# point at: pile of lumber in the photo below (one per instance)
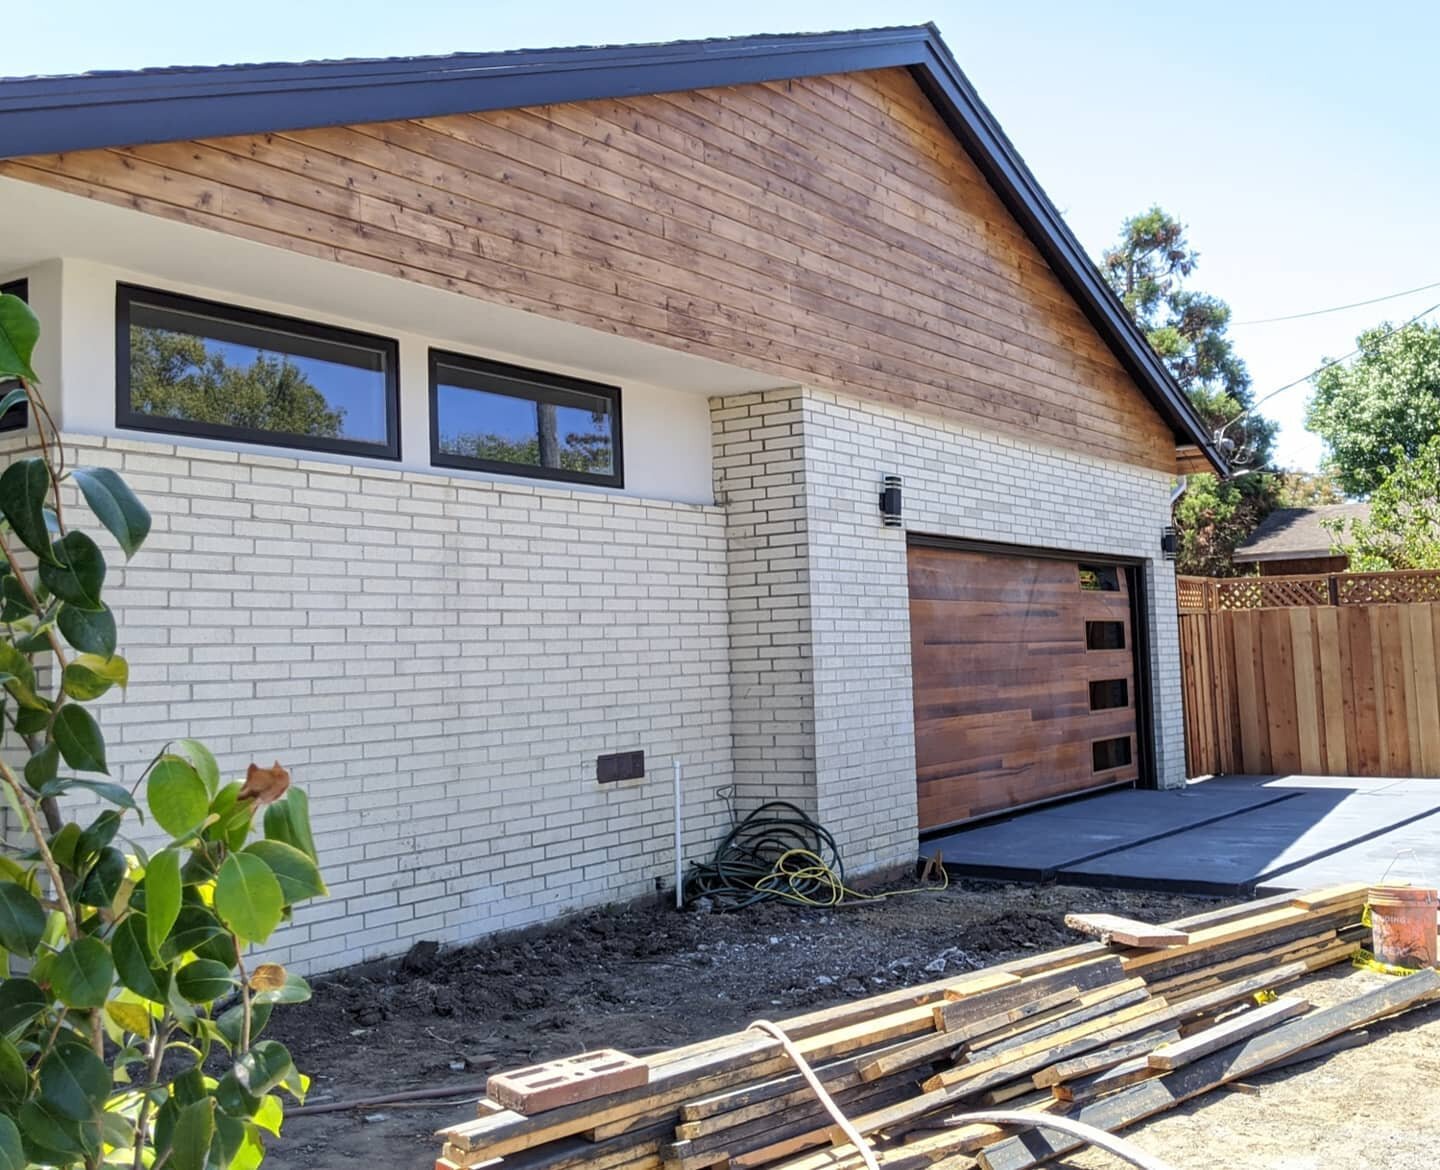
(1108, 1032)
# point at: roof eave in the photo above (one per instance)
(93, 111)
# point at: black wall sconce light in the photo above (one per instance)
(890, 502)
(1169, 542)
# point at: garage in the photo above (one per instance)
(1023, 667)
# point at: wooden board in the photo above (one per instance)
(1001, 675)
(1238, 1027)
(826, 231)
(1128, 1106)
(1126, 932)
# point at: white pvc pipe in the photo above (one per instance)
(679, 846)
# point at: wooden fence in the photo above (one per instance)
(1329, 675)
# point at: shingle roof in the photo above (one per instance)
(94, 110)
(1297, 533)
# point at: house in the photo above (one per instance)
(745, 404)
(1293, 541)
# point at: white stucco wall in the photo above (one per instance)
(666, 431)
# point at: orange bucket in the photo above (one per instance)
(1402, 923)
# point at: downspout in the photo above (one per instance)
(1178, 490)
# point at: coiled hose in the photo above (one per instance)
(776, 851)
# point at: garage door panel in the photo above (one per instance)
(1010, 697)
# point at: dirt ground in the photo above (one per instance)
(640, 978)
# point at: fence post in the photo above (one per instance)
(1334, 583)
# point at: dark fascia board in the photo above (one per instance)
(49, 115)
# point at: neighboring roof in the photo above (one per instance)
(1292, 534)
(46, 115)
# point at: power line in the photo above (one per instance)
(1337, 308)
(1320, 369)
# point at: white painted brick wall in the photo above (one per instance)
(848, 745)
(438, 661)
(958, 483)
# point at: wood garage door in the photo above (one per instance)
(1024, 676)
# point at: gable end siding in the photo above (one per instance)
(828, 230)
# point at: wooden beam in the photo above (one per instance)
(1128, 1106)
(1247, 1023)
(1126, 932)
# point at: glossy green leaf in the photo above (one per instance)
(19, 677)
(114, 793)
(14, 604)
(194, 1130)
(135, 962)
(24, 486)
(102, 883)
(74, 1082)
(201, 759)
(204, 981)
(11, 399)
(21, 1000)
(40, 769)
(232, 1021)
(288, 820)
(31, 721)
(115, 506)
(64, 843)
(22, 919)
(248, 897)
(293, 990)
(78, 737)
(81, 974)
(233, 817)
(19, 331)
(92, 631)
(176, 795)
(271, 1115)
(88, 676)
(264, 1067)
(162, 888)
(79, 573)
(12, 1153)
(195, 926)
(299, 877)
(53, 1140)
(95, 836)
(14, 1076)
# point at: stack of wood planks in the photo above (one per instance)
(1107, 1032)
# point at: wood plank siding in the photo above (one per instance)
(829, 231)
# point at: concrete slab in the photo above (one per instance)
(1038, 844)
(1228, 835)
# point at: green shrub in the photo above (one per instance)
(126, 985)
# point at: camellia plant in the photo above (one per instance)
(130, 1023)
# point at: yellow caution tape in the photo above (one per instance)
(1267, 996)
(1365, 959)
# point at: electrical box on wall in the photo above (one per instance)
(620, 766)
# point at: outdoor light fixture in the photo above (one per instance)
(1169, 542)
(890, 501)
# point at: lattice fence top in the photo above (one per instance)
(1199, 594)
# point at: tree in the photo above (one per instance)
(1213, 516)
(1403, 528)
(173, 375)
(1381, 409)
(133, 1036)
(1304, 489)
(1147, 268)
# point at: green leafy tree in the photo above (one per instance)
(1380, 409)
(587, 452)
(131, 1013)
(1148, 267)
(1214, 516)
(174, 375)
(1304, 489)
(1403, 528)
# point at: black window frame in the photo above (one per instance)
(540, 380)
(125, 416)
(17, 418)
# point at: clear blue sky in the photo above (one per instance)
(1298, 140)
